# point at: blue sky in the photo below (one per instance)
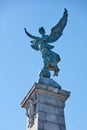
(20, 64)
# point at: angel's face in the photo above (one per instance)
(41, 30)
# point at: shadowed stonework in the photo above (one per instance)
(45, 107)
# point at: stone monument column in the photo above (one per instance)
(44, 106)
(45, 101)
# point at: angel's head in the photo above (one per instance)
(41, 30)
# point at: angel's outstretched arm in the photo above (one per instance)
(29, 35)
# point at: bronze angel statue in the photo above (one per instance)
(50, 58)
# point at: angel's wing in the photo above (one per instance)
(57, 30)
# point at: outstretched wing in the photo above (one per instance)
(57, 30)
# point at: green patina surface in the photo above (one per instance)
(50, 58)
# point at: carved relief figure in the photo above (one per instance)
(30, 112)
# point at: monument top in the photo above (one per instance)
(37, 87)
(50, 58)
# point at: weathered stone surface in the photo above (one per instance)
(48, 126)
(48, 103)
(50, 109)
(50, 100)
(62, 127)
(57, 119)
(48, 82)
(49, 90)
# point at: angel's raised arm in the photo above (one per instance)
(29, 35)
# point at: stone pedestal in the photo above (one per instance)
(45, 107)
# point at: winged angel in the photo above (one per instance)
(50, 58)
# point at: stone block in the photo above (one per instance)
(50, 100)
(50, 109)
(49, 82)
(48, 126)
(51, 118)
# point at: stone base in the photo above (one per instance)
(49, 82)
(44, 106)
